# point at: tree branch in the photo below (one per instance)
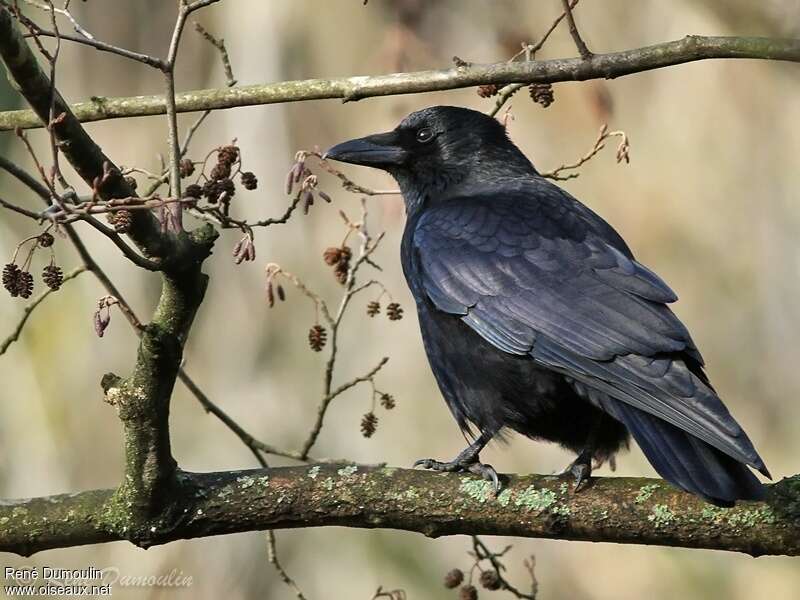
(82, 152)
(14, 335)
(615, 509)
(608, 66)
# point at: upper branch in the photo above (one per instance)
(613, 509)
(82, 152)
(608, 66)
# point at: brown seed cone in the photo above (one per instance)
(228, 188)
(340, 272)
(122, 220)
(186, 167)
(317, 336)
(11, 275)
(369, 423)
(394, 311)
(468, 592)
(453, 578)
(53, 277)
(24, 284)
(373, 308)
(221, 170)
(541, 93)
(488, 90)
(212, 190)
(46, 239)
(194, 190)
(388, 401)
(228, 154)
(249, 180)
(332, 255)
(490, 580)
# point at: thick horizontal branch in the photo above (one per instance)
(616, 64)
(622, 510)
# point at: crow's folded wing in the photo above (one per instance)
(538, 274)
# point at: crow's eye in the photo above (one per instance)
(425, 135)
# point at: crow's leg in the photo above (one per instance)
(467, 460)
(581, 467)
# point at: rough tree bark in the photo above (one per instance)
(613, 509)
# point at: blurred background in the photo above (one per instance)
(709, 201)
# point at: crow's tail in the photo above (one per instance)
(688, 462)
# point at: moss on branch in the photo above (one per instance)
(599, 66)
(622, 510)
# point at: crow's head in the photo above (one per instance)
(436, 147)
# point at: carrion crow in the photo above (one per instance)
(536, 317)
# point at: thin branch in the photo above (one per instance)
(23, 211)
(14, 336)
(219, 44)
(599, 66)
(322, 409)
(64, 12)
(622, 154)
(585, 53)
(272, 554)
(529, 52)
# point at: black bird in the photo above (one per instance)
(536, 317)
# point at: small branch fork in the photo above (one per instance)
(585, 53)
(623, 154)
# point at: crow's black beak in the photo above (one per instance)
(381, 151)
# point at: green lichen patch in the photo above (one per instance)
(245, 482)
(477, 489)
(712, 513)
(347, 471)
(328, 484)
(411, 494)
(661, 515)
(313, 472)
(534, 499)
(645, 492)
(751, 518)
(504, 498)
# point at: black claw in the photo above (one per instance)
(488, 473)
(583, 473)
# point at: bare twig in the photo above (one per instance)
(529, 52)
(14, 336)
(219, 44)
(585, 53)
(622, 154)
(64, 12)
(481, 552)
(23, 211)
(272, 553)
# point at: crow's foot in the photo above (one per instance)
(581, 469)
(462, 465)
